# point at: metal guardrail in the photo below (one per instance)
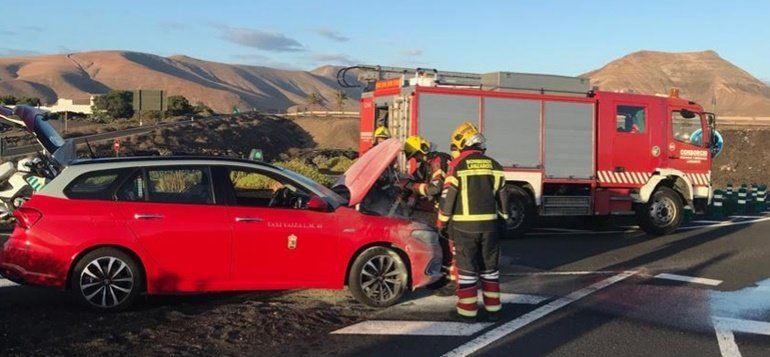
(24, 150)
(321, 113)
(735, 121)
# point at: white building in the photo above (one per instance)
(71, 105)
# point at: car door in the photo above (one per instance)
(173, 214)
(278, 244)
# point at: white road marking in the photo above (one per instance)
(703, 221)
(726, 223)
(725, 326)
(689, 279)
(439, 304)
(4, 283)
(579, 272)
(726, 340)
(744, 326)
(413, 328)
(745, 217)
(512, 326)
(580, 232)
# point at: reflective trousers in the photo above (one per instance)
(477, 255)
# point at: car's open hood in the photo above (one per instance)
(35, 122)
(362, 175)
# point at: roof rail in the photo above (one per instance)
(373, 73)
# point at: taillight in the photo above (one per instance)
(27, 217)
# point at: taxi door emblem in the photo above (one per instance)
(655, 151)
(292, 242)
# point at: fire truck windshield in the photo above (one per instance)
(686, 127)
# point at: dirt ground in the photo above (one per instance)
(270, 324)
(331, 133)
(745, 159)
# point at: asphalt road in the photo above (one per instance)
(703, 291)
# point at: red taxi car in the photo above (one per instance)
(112, 229)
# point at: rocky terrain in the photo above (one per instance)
(220, 86)
(700, 76)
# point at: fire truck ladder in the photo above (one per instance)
(370, 74)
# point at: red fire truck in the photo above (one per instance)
(568, 149)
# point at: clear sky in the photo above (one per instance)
(560, 37)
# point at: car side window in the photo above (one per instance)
(630, 119)
(254, 188)
(96, 185)
(179, 185)
(133, 189)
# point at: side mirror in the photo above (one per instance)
(317, 204)
(687, 114)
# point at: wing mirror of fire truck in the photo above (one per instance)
(687, 114)
(315, 203)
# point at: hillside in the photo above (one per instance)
(219, 85)
(699, 75)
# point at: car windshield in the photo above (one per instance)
(315, 186)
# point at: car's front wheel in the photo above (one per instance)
(378, 277)
(107, 279)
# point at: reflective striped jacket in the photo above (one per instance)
(428, 178)
(473, 198)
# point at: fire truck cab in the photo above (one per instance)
(567, 149)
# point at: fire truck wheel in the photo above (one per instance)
(378, 277)
(662, 214)
(521, 212)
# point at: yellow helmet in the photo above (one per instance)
(382, 132)
(415, 144)
(465, 135)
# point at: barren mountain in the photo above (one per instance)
(700, 76)
(219, 85)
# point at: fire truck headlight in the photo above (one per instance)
(425, 236)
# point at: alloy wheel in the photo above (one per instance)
(106, 282)
(382, 278)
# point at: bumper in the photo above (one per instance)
(426, 264)
(24, 262)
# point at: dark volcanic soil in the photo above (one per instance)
(269, 324)
(745, 159)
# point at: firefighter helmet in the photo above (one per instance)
(415, 144)
(382, 132)
(466, 135)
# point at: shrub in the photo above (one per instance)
(304, 169)
(340, 164)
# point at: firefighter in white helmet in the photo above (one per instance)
(472, 206)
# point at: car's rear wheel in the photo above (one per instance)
(107, 279)
(378, 277)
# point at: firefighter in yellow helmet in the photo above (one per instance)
(427, 181)
(381, 134)
(472, 206)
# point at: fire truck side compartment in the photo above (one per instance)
(439, 114)
(569, 140)
(512, 129)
